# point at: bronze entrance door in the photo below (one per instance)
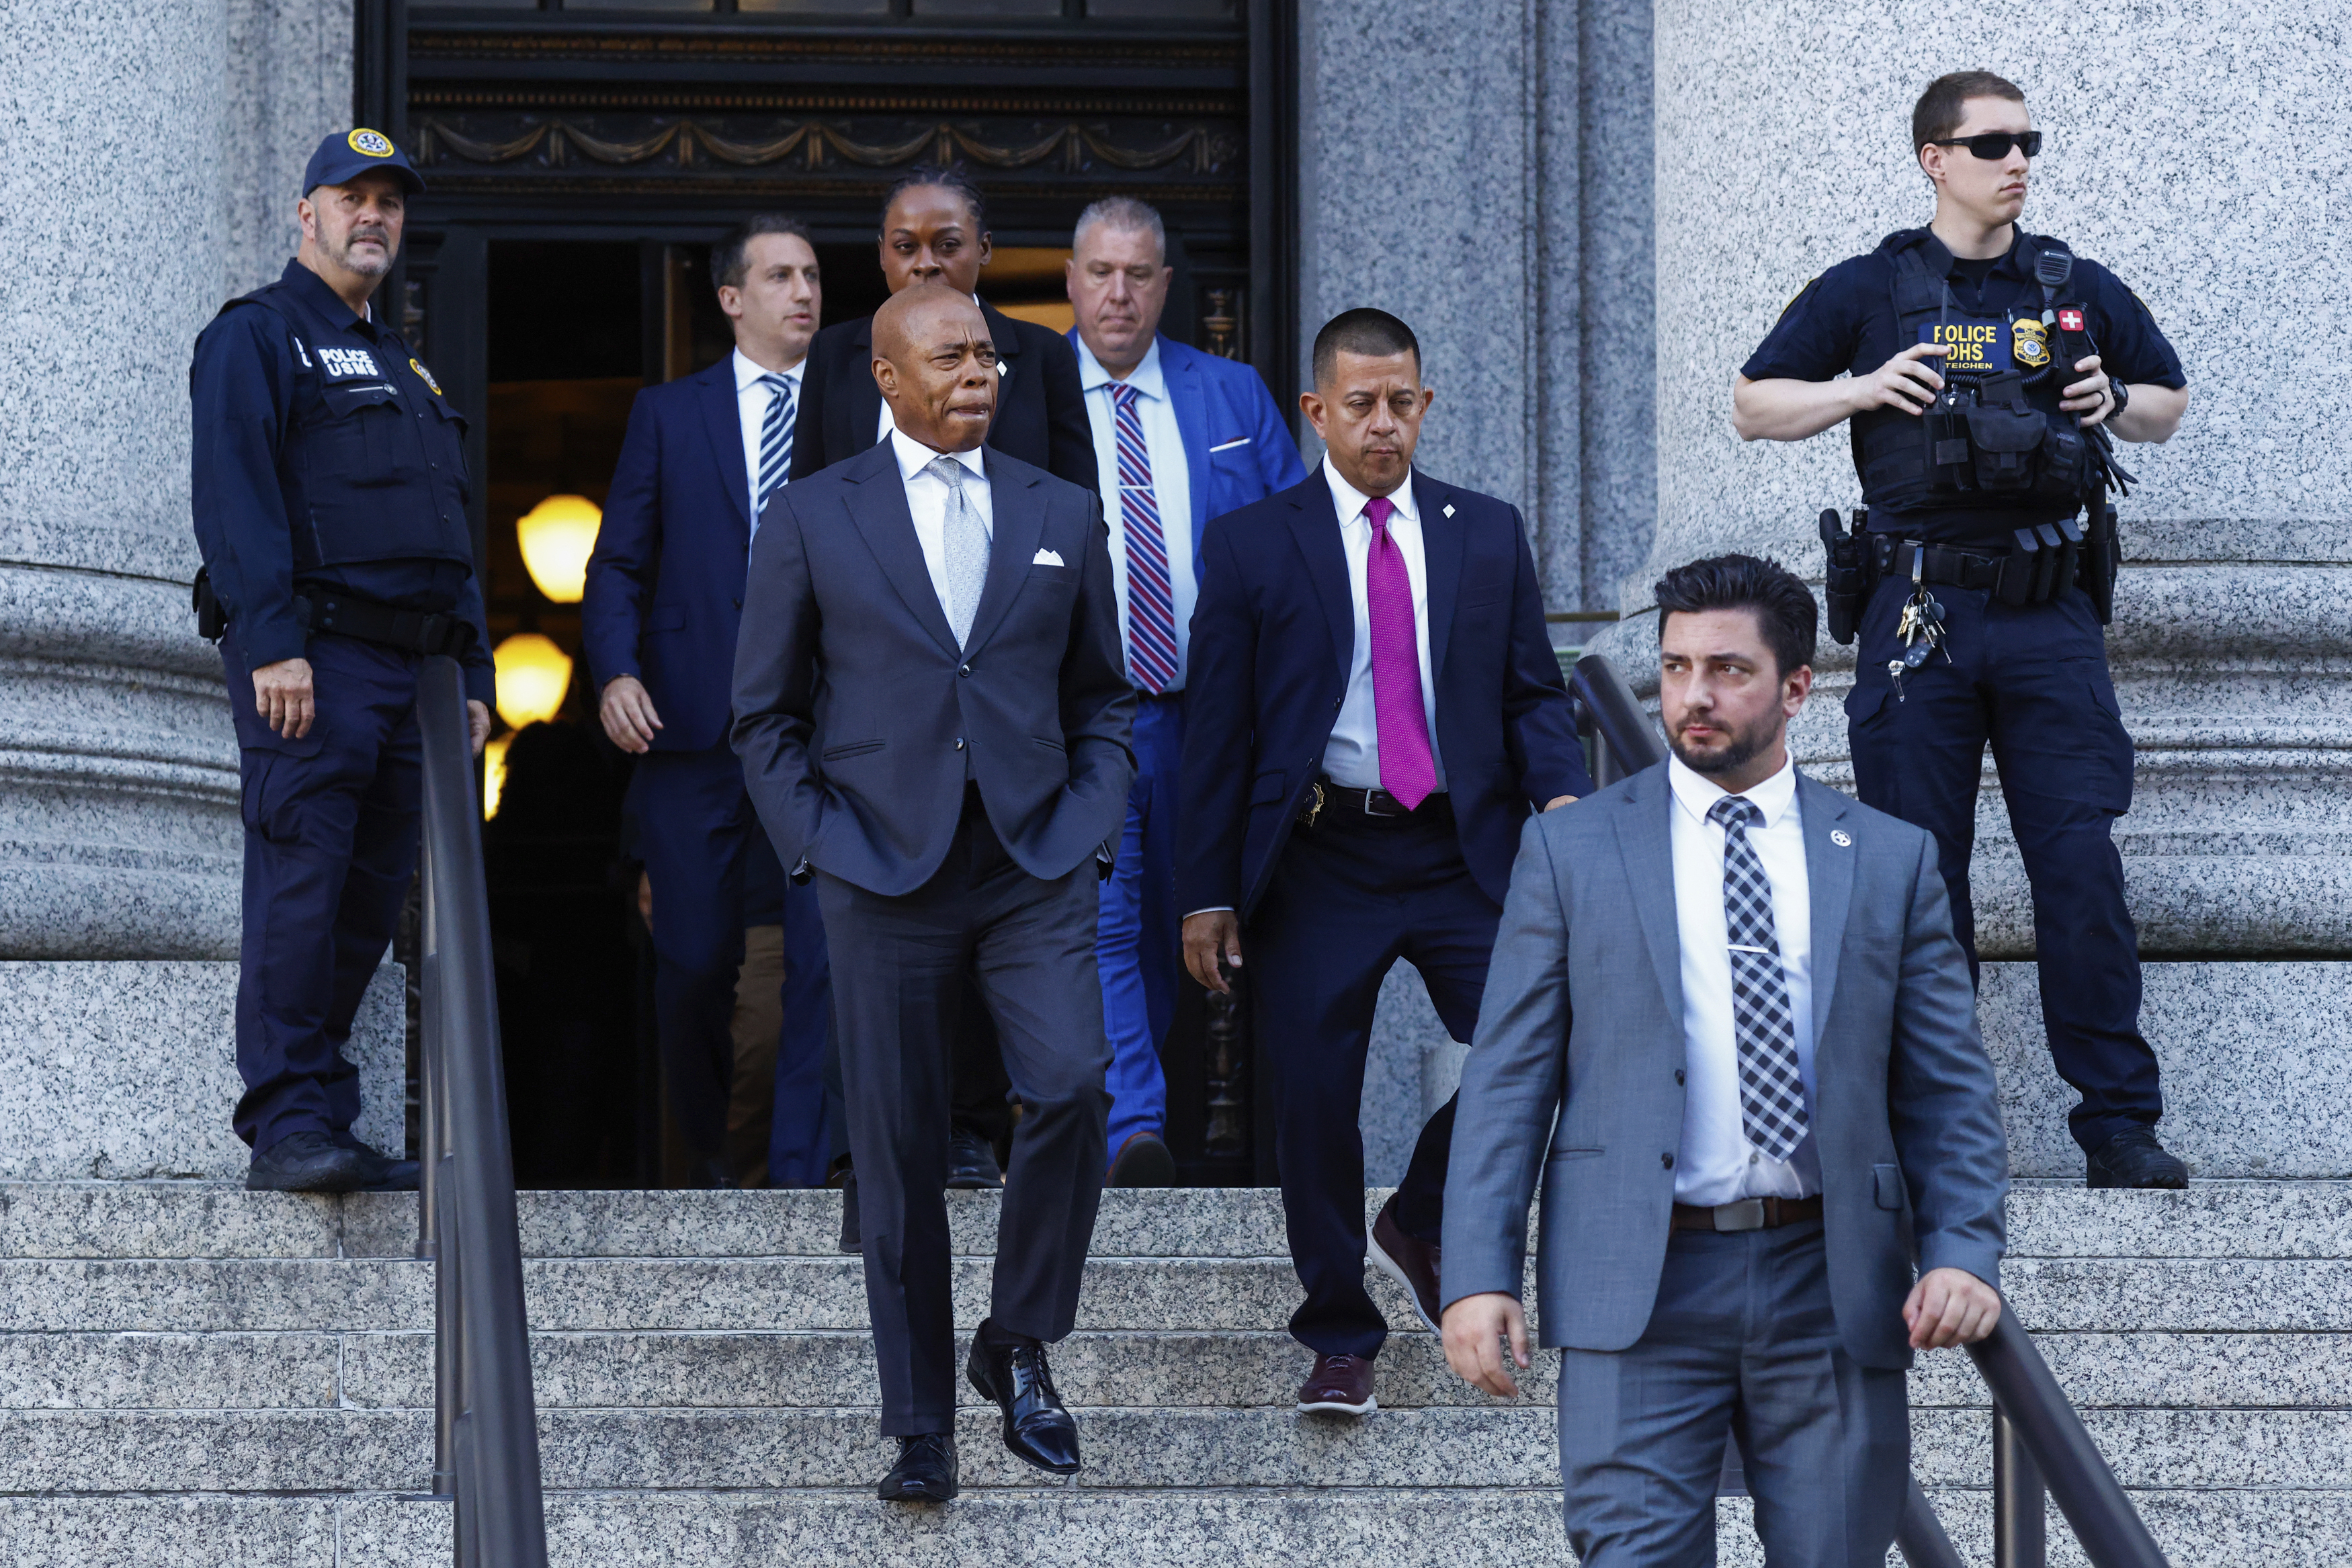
(582, 156)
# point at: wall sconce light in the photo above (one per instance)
(556, 537)
(533, 675)
(494, 773)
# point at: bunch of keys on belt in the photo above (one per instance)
(1921, 628)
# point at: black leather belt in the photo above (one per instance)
(1747, 1213)
(1948, 565)
(345, 614)
(1327, 802)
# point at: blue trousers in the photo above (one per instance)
(1742, 1338)
(1136, 929)
(330, 824)
(700, 840)
(1348, 898)
(2033, 683)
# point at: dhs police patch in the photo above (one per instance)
(1971, 347)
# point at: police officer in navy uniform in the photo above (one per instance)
(1989, 369)
(329, 494)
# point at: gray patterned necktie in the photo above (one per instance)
(967, 547)
(1771, 1088)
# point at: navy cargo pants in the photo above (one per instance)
(331, 825)
(2033, 682)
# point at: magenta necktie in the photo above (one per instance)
(1408, 772)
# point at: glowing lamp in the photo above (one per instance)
(556, 537)
(494, 772)
(533, 675)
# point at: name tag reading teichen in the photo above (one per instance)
(1974, 347)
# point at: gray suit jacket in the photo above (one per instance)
(1584, 1017)
(858, 719)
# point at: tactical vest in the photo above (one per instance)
(1995, 438)
(371, 458)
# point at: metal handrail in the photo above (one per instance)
(1607, 710)
(486, 1427)
(2041, 1448)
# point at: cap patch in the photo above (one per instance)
(372, 143)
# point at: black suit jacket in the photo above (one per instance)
(857, 716)
(1274, 633)
(1040, 412)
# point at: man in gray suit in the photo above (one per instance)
(1740, 994)
(933, 713)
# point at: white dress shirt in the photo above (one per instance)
(1716, 1163)
(1171, 482)
(751, 402)
(1353, 756)
(926, 498)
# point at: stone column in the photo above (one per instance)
(2200, 153)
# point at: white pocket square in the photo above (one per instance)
(1046, 558)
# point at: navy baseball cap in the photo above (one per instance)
(347, 154)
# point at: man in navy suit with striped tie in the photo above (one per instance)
(1181, 436)
(702, 457)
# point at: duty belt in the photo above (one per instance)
(343, 614)
(2040, 568)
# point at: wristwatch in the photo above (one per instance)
(2121, 393)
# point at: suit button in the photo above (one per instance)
(738, 604)
(959, 743)
(1678, 1075)
(1667, 1161)
(965, 672)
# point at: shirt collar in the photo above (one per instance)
(1944, 263)
(1698, 793)
(1146, 378)
(1351, 502)
(748, 371)
(914, 456)
(321, 297)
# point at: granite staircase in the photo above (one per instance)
(196, 1376)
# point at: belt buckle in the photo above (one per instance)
(1315, 793)
(1368, 805)
(1747, 1213)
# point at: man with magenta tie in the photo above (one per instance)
(1181, 436)
(1375, 711)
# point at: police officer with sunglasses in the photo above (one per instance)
(1988, 373)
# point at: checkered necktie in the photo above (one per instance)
(775, 442)
(1150, 598)
(1772, 1089)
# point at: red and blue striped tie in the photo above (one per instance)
(1150, 598)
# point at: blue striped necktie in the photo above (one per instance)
(1150, 599)
(775, 442)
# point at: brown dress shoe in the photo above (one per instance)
(1339, 1384)
(1409, 1260)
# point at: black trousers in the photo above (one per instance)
(1349, 897)
(2033, 683)
(903, 970)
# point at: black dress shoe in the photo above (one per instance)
(2134, 1158)
(926, 1470)
(1142, 1161)
(306, 1161)
(852, 1235)
(1037, 1428)
(385, 1174)
(971, 1164)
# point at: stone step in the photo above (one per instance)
(190, 1219)
(835, 1369)
(197, 1295)
(1077, 1527)
(1513, 1446)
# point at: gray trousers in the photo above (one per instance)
(902, 970)
(1742, 1340)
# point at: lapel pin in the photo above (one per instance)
(1449, 508)
(1838, 837)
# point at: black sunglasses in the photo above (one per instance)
(1994, 145)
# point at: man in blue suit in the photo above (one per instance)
(1181, 436)
(702, 457)
(1376, 709)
